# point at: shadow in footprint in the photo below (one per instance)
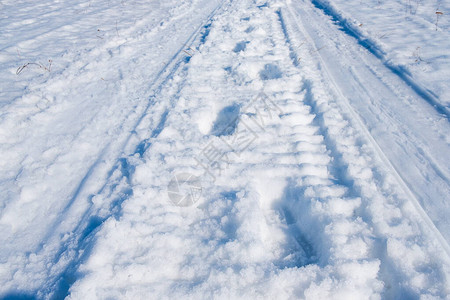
(249, 29)
(226, 121)
(270, 71)
(262, 5)
(299, 251)
(240, 47)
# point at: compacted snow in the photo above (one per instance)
(224, 149)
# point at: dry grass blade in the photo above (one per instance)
(438, 14)
(41, 66)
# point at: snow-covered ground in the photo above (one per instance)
(409, 36)
(224, 149)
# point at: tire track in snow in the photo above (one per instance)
(398, 121)
(360, 123)
(284, 212)
(77, 249)
(91, 121)
(403, 74)
(376, 189)
(203, 71)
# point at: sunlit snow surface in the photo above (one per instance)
(224, 149)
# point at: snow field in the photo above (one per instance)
(313, 184)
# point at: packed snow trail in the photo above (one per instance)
(411, 133)
(299, 190)
(295, 201)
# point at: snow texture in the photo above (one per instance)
(202, 149)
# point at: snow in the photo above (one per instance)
(224, 149)
(406, 36)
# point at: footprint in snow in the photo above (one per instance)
(240, 46)
(226, 121)
(270, 71)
